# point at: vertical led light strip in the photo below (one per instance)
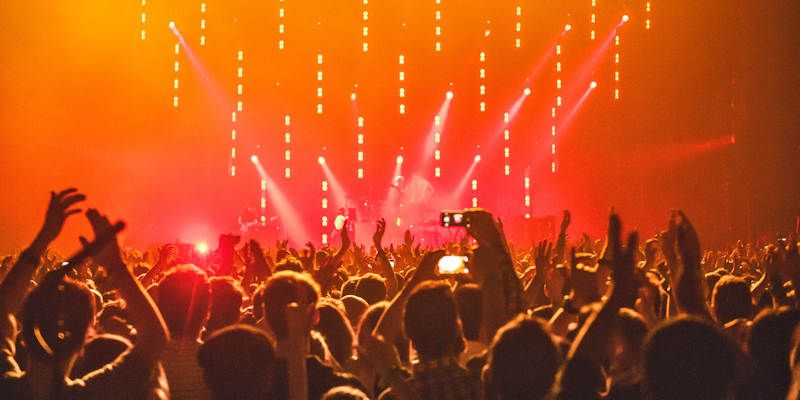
(559, 66)
(474, 193)
(364, 26)
(143, 33)
(648, 14)
(526, 185)
(437, 140)
(324, 210)
(263, 203)
(319, 83)
(234, 114)
(593, 20)
(518, 28)
(437, 27)
(202, 24)
(401, 62)
(176, 69)
(616, 66)
(281, 26)
(287, 141)
(360, 147)
(482, 80)
(507, 147)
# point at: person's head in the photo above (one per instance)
(522, 361)
(289, 264)
(769, 344)
(226, 301)
(99, 351)
(470, 306)
(632, 333)
(237, 363)
(371, 287)
(344, 393)
(354, 306)
(282, 289)
(183, 298)
(349, 287)
(336, 329)
(688, 358)
(731, 299)
(56, 317)
(370, 319)
(431, 321)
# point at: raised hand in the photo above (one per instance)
(346, 235)
(377, 237)
(408, 239)
(59, 209)
(623, 263)
(427, 267)
(167, 254)
(543, 257)
(110, 256)
(565, 220)
(688, 242)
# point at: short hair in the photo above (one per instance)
(687, 357)
(56, 316)
(282, 289)
(336, 329)
(354, 307)
(731, 299)
(769, 343)
(226, 301)
(522, 360)
(345, 393)
(289, 264)
(431, 320)
(349, 287)
(633, 330)
(237, 363)
(470, 309)
(183, 298)
(371, 287)
(369, 319)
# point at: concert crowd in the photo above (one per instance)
(617, 317)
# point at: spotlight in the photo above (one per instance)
(567, 28)
(625, 18)
(487, 33)
(478, 158)
(321, 160)
(171, 24)
(254, 158)
(201, 248)
(593, 85)
(399, 159)
(527, 91)
(352, 97)
(449, 94)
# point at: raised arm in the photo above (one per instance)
(324, 275)
(152, 332)
(592, 341)
(688, 279)
(16, 284)
(383, 264)
(390, 326)
(493, 269)
(561, 242)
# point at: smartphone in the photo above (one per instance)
(452, 265)
(453, 218)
